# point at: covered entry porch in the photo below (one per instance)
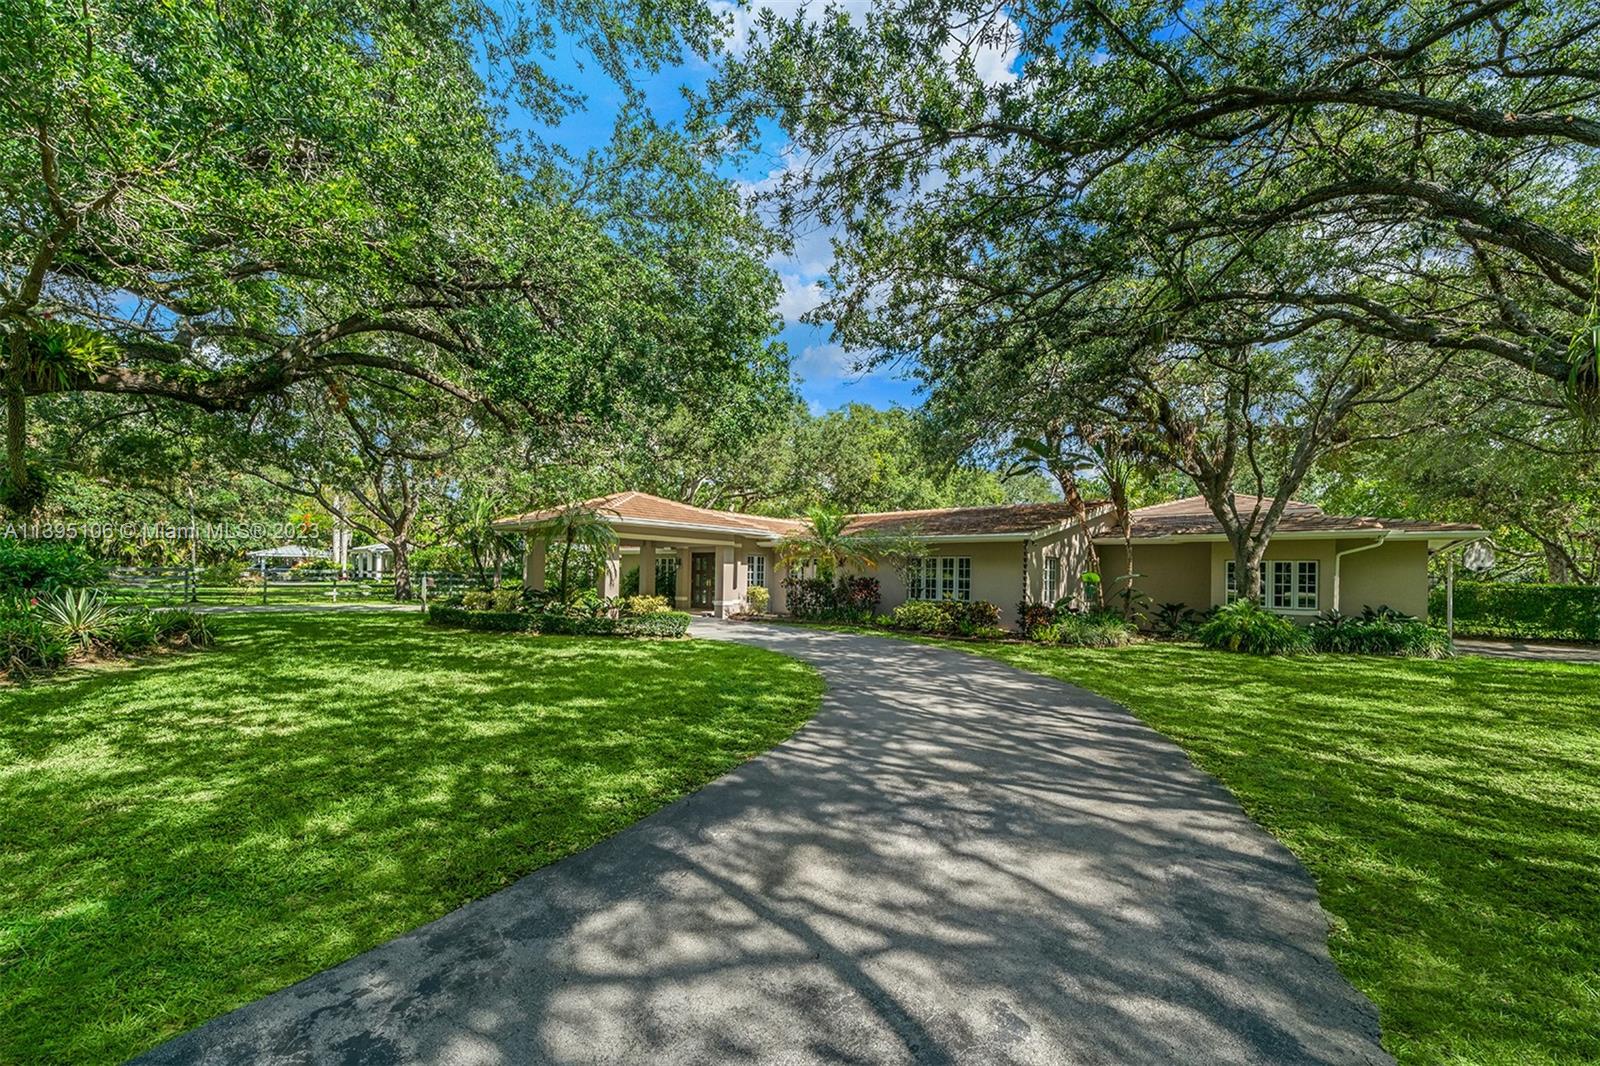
(703, 561)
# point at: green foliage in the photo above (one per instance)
(503, 600)
(82, 616)
(443, 614)
(563, 620)
(1379, 634)
(920, 616)
(850, 599)
(634, 606)
(28, 645)
(37, 568)
(1470, 924)
(209, 798)
(184, 628)
(1175, 619)
(1528, 611)
(967, 618)
(1095, 629)
(1246, 626)
(760, 598)
(134, 630)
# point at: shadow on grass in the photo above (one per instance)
(954, 862)
(183, 836)
(1450, 812)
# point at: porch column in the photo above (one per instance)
(647, 568)
(776, 572)
(611, 573)
(533, 565)
(724, 600)
(680, 597)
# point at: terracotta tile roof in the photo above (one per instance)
(1192, 517)
(1004, 519)
(643, 507)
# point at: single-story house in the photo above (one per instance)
(707, 560)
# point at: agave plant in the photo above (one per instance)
(82, 616)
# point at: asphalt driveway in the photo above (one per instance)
(955, 862)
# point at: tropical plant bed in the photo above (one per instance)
(180, 838)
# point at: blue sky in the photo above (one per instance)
(823, 367)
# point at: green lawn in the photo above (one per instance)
(1450, 812)
(183, 836)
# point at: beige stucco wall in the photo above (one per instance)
(1069, 547)
(996, 574)
(1167, 573)
(1394, 574)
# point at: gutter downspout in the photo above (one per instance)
(1338, 563)
(1450, 586)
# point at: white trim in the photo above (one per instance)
(1462, 535)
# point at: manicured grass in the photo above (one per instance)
(183, 836)
(1450, 812)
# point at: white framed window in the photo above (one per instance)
(756, 565)
(1286, 584)
(667, 577)
(948, 577)
(1052, 579)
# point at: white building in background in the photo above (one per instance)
(370, 561)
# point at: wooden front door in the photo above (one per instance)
(702, 579)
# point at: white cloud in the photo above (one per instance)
(826, 362)
(799, 294)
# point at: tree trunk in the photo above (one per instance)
(400, 555)
(1067, 478)
(17, 421)
(1247, 555)
(566, 558)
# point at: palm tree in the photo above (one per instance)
(574, 526)
(826, 540)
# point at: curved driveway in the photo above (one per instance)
(955, 862)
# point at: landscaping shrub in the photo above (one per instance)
(1502, 609)
(36, 569)
(81, 616)
(1246, 626)
(920, 616)
(657, 624)
(1379, 634)
(1031, 616)
(135, 630)
(183, 628)
(760, 598)
(1093, 629)
(967, 618)
(1175, 619)
(27, 644)
(853, 599)
(492, 600)
(634, 606)
(445, 614)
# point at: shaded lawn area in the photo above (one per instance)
(184, 836)
(1449, 811)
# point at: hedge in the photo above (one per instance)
(440, 614)
(1502, 609)
(659, 624)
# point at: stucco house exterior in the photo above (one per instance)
(706, 560)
